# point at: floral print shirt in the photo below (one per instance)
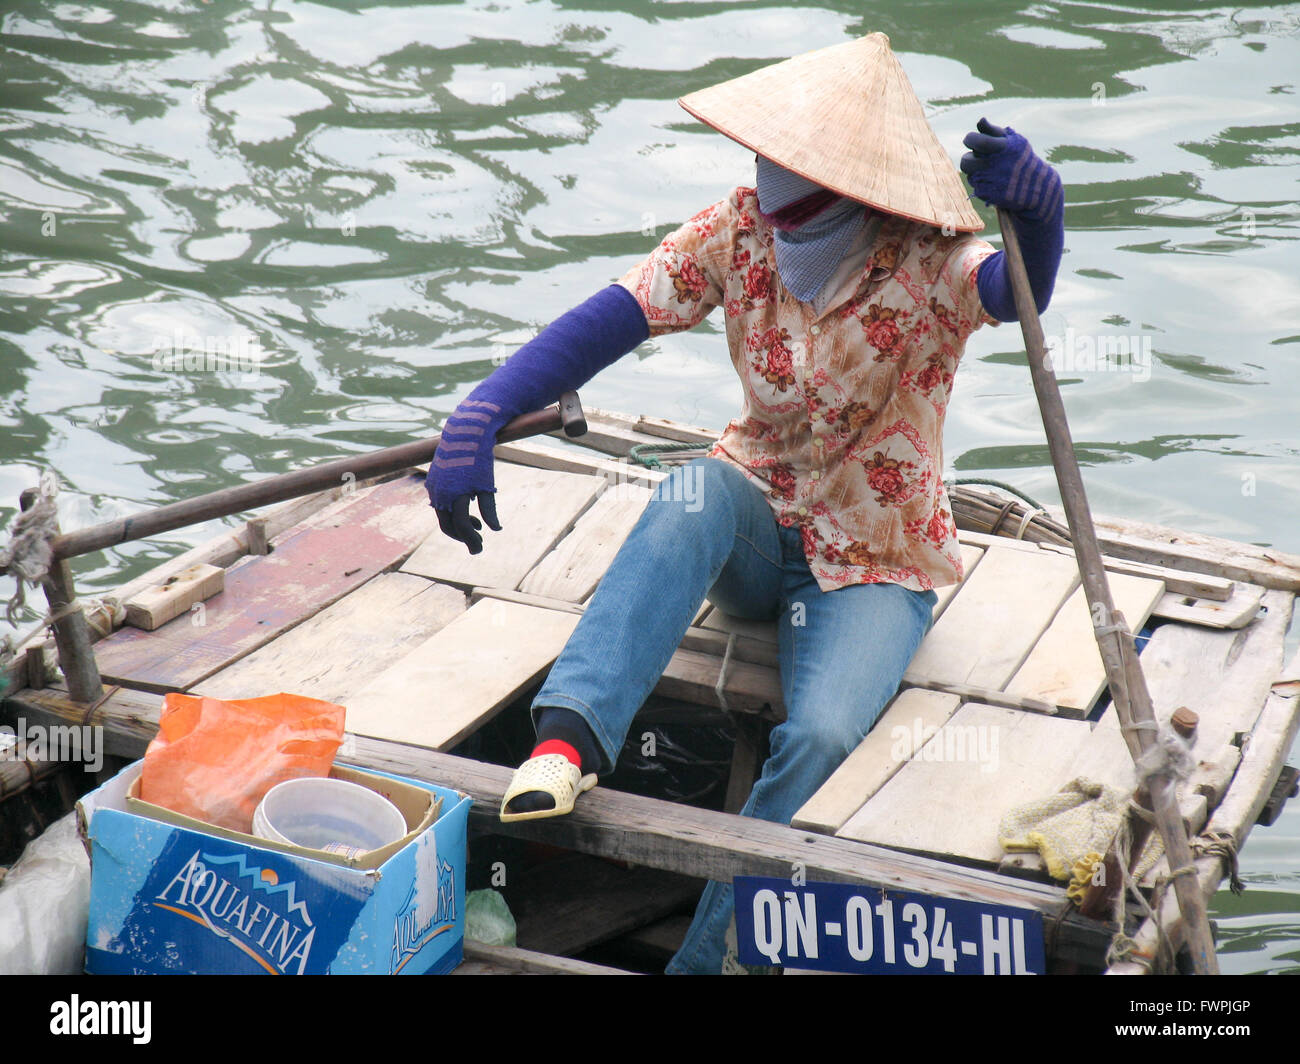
(842, 420)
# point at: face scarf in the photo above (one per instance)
(814, 227)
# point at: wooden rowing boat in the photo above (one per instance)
(352, 595)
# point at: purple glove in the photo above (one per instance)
(1004, 172)
(563, 357)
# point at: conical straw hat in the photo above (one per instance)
(845, 117)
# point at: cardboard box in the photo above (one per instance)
(170, 894)
(419, 806)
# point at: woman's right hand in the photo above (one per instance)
(461, 473)
(561, 358)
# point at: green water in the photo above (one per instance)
(386, 198)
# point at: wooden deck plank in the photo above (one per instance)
(1272, 735)
(571, 903)
(615, 433)
(450, 684)
(675, 430)
(572, 458)
(535, 507)
(757, 651)
(985, 540)
(574, 567)
(990, 627)
(692, 676)
(949, 801)
(753, 681)
(987, 697)
(1222, 674)
(766, 630)
(908, 720)
(1065, 666)
(1196, 552)
(762, 631)
(337, 652)
(333, 552)
(1237, 611)
(225, 549)
(1176, 581)
(154, 606)
(1196, 584)
(657, 942)
(970, 556)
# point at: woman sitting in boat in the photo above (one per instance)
(849, 281)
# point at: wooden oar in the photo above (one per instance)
(1128, 686)
(568, 415)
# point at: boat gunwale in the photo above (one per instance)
(1280, 712)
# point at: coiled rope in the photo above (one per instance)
(29, 558)
(1170, 756)
(654, 455)
(28, 554)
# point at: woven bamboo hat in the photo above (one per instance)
(847, 118)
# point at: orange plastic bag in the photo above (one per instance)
(214, 760)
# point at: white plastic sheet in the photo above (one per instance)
(44, 902)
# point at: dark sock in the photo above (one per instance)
(556, 724)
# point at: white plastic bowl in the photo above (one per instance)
(319, 813)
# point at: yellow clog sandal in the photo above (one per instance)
(553, 774)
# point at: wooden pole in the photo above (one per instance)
(71, 632)
(1128, 687)
(1099, 900)
(300, 482)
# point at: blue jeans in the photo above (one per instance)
(709, 532)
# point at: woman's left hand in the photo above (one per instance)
(1004, 172)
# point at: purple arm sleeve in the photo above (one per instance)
(1041, 245)
(564, 356)
(1004, 172)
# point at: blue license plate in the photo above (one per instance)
(845, 927)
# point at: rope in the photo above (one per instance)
(976, 509)
(720, 688)
(1211, 843)
(647, 454)
(1005, 487)
(112, 611)
(1122, 947)
(1222, 845)
(103, 615)
(1029, 516)
(1141, 725)
(27, 554)
(1007, 507)
(94, 707)
(1170, 755)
